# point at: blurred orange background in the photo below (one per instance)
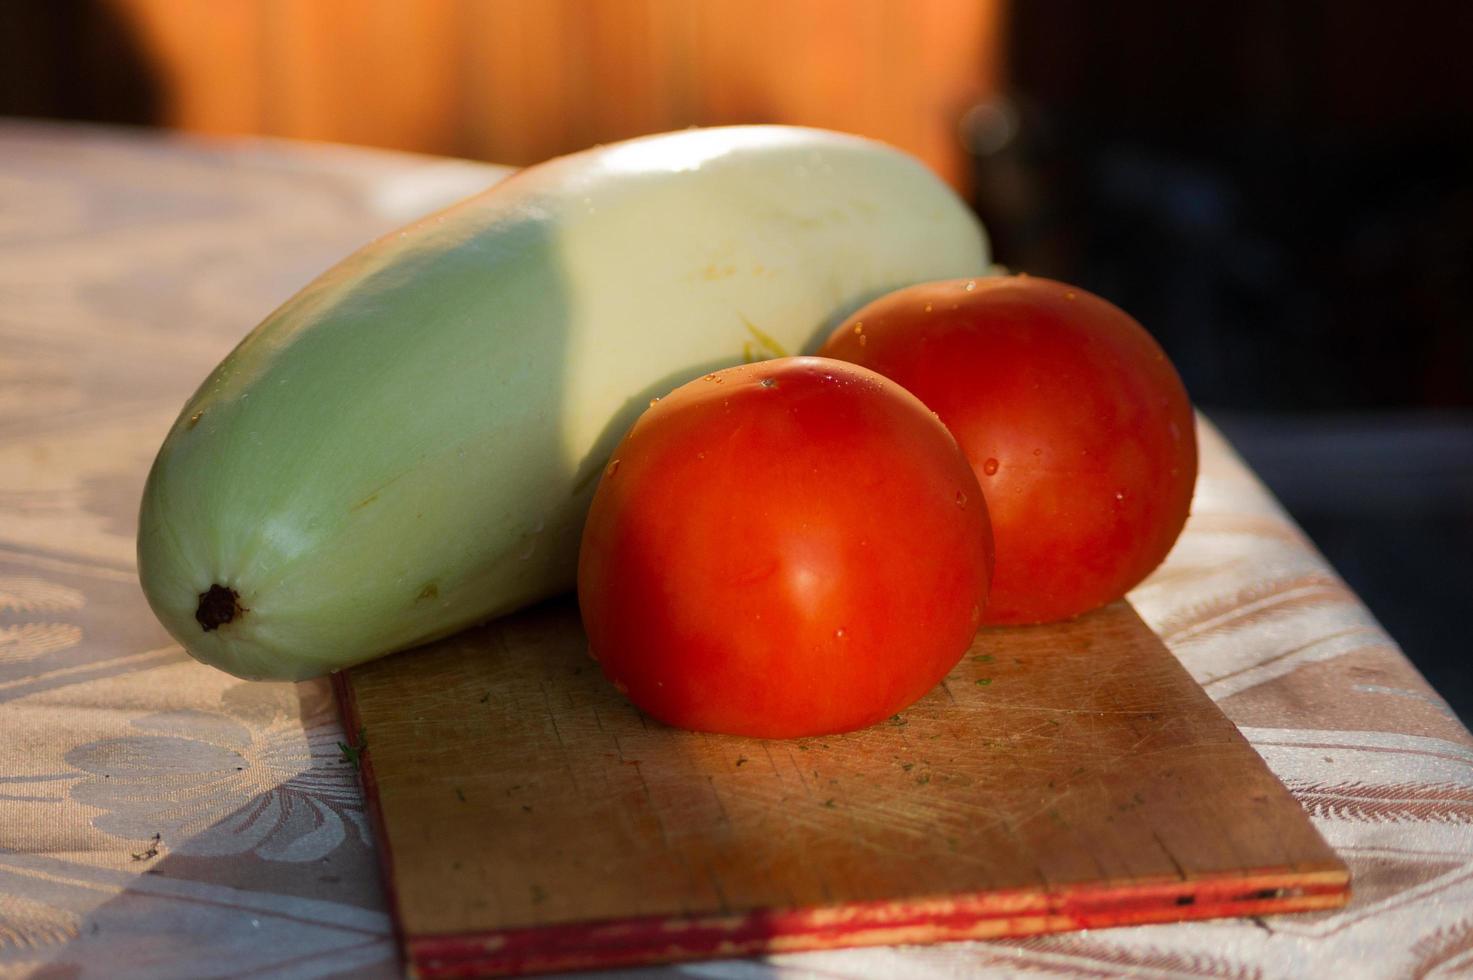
(517, 81)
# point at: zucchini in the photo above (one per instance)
(409, 445)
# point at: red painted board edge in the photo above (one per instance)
(986, 915)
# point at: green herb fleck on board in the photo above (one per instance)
(984, 681)
(460, 794)
(898, 721)
(982, 658)
(907, 766)
(765, 345)
(923, 778)
(353, 754)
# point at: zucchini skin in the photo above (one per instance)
(409, 445)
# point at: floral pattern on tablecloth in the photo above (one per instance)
(158, 818)
(162, 819)
(256, 777)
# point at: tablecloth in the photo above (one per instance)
(161, 819)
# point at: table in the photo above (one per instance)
(159, 818)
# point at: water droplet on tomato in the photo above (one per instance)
(961, 499)
(990, 467)
(971, 285)
(1038, 452)
(772, 382)
(859, 327)
(653, 400)
(928, 307)
(613, 468)
(863, 340)
(1119, 494)
(839, 633)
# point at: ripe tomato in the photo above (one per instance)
(1078, 427)
(794, 547)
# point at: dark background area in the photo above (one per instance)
(75, 59)
(1281, 192)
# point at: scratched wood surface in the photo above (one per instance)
(1061, 777)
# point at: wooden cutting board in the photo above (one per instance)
(1062, 777)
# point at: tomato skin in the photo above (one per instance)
(1077, 425)
(793, 547)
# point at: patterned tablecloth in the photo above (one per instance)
(159, 818)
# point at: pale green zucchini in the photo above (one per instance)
(409, 445)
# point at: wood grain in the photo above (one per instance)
(1061, 777)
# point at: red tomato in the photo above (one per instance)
(1078, 427)
(794, 547)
